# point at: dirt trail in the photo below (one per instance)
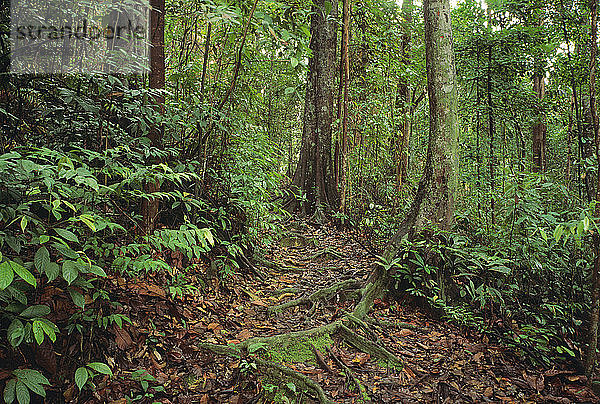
(440, 363)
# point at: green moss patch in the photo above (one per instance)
(298, 350)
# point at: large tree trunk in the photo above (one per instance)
(157, 82)
(590, 359)
(434, 201)
(314, 174)
(442, 151)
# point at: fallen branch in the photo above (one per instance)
(252, 268)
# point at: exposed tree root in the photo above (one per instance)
(275, 266)
(302, 381)
(369, 347)
(328, 250)
(319, 295)
(336, 327)
(280, 292)
(330, 328)
(373, 289)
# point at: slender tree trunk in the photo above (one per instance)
(478, 132)
(314, 174)
(590, 359)
(538, 140)
(205, 60)
(492, 131)
(405, 99)
(569, 150)
(149, 207)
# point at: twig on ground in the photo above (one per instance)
(347, 370)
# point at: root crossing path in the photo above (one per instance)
(293, 338)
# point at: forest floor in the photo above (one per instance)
(441, 362)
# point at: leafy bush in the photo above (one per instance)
(523, 283)
(64, 228)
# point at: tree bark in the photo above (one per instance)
(149, 207)
(314, 174)
(590, 359)
(442, 151)
(346, 81)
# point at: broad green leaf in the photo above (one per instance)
(23, 273)
(208, 235)
(9, 391)
(49, 328)
(39, 310)
(14, 243)
(31, 375)
(70, 271)
(586, 223)
(24, 222)
(22, 393)
(41, 259)
(69, 205)
(77, 297)
(66, 250)
(100, 368)
(294, 61)
(6, 275)
(87, 219)
(67, 235)
(52, 271)
(15, 332)
(96, 270)
(81, 377)
(306, 31)
(35, 387)
(44, 238)
(558, 232)
(38, 332)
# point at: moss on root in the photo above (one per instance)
(299, 350)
